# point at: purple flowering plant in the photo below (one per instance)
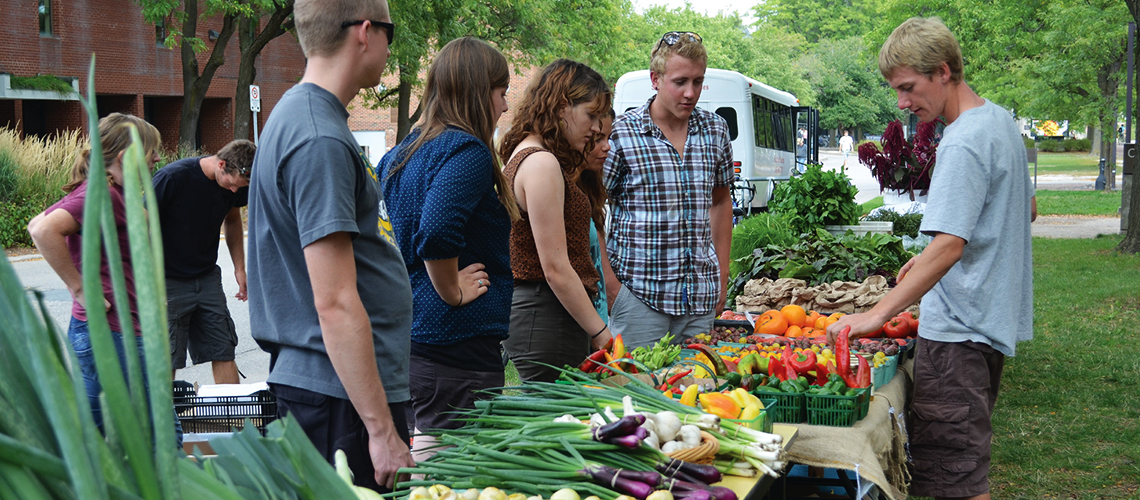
(901, 165)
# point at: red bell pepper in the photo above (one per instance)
(803, 361)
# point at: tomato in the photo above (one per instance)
(772, 322)
(897, 328)
(877, 333)
(911, 320)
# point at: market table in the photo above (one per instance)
(874, 448)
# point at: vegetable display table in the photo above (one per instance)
(753, 488)
(874, 448)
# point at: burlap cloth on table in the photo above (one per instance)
(837, 296)
(875, 447)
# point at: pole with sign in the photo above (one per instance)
(255, 106)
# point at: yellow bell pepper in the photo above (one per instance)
(689, 397)
(750, 412)
(740, 396)
(719, 404)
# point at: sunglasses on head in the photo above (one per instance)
(389, 28)
(671, 38)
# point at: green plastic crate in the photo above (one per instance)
(789, 407)
(837, 411)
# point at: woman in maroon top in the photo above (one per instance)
(56, 234)
(553, 319)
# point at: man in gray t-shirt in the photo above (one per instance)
(329, 296)
(975, 278)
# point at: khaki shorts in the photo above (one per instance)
(955, 387)
(199, 320)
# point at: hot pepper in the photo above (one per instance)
(776, 369)
(591, 364)
(788, 359)
(843, 357)
(803, 361)
(863, 375)
(717, 363)
(752, 363)
(689, 397)
(673, 380)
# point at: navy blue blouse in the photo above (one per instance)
(442, 204)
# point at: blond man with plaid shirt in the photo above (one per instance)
(669, 177)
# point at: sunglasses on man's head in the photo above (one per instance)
(389, 28)
(671, 38)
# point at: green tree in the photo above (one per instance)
(848, 86)
(252, 38)
(818, 20)
(528, 33)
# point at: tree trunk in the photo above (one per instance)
(195, 85)
(1108, 80)
(251, 46)
(404, 120)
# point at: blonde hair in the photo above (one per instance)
(318, 22)
(115, 137)
(922, 44)
(686, 47)
(458, 94)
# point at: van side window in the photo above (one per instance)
(729, 115)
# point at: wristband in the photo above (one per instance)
(594, 336)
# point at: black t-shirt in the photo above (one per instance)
(191, 208)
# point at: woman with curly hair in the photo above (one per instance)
(553, 319)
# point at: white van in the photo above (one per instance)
(761, 123)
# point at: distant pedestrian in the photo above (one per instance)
(975, 278)
(196, 197)
(846, 145)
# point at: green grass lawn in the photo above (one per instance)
(1066, 164)
(1067, 423)
(1078, 203)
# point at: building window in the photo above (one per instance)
(160, 32)
(45, 18)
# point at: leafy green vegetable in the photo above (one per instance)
(823, 258)
(815, 199)
(764, 228)
(907, 223)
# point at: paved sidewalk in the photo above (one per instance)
(1048, 226)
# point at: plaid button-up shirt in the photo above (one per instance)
(660, 236)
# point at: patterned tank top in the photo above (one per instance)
(576, 214)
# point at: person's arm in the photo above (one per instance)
(347, 334)
(721, 227)
(49, 231)
(612, 283)
(915, 278)
(232, 228)
(540, 179)
(1033, 208)
(455, 286)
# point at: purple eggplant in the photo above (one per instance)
(624, 426)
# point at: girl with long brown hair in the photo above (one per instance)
(553, 319)
(451, 212)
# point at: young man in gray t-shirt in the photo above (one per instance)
(329, 293)
(975, 278)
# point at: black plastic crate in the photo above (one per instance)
(223, 413)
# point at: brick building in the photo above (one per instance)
(134, 72)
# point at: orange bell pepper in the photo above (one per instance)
(719, 404)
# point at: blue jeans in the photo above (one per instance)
(80, 338)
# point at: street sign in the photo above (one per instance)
(1130, 154)
(254, 98)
